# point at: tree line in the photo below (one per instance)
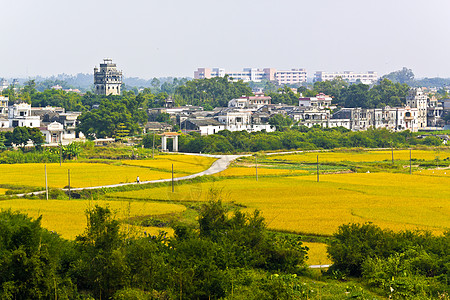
(298, 137)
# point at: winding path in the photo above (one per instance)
(217, 166)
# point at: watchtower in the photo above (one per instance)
(107, 80)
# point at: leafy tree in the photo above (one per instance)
(20, 136)
(216, 91)
(280, 122)
(101, 266)
(29, 260)
(404, 75)
(284, 95)
(333, 88)
(36, 137)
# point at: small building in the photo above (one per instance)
(202, 126)
(53, 133)
(157, 127)
(319, 101)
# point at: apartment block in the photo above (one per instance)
(256, 75)
(369, 77)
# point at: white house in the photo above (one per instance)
(19, 115)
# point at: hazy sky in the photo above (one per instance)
(148, 38)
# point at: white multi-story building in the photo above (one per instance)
(369, 77)
(417, 99)
(239, 120)
(291, 76)
(320, 101)
(255, 102)
(19, 115)
(392, 118)
(256, 75)
(4, 105)
(3, 84)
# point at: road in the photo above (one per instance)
(221, 164)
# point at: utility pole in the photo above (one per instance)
(392, 154)
(153, 146)
(410, 166)
(317, 168)
(256, 167)
(172, 179)
(60, 153)
(68, 179)
(46, 184)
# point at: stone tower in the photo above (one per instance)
(107, 80)
(417, 99)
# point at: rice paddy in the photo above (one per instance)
(97, 174)
(362, 156)
(68, 218)
(300, 204)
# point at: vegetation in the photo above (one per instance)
(104, 263)
(211, 92)
(299, 138)
(403, 265)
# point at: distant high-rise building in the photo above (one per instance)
(369, 77)
(107, 80)
(256, 75)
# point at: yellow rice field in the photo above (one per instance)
(317, 254)
(68, 217)
(251, 171)
(361, 156)
(96, 174)
(300, 204)
(188, 164)
(2, 191)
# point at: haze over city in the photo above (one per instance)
(173, 38)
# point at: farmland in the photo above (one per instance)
(362, 156)
(103, 172)
(68, 217)
(287, 192)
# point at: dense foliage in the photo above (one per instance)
(116, 116)
(299, 138)
(213, 92)
(105, 263)
(403, 265)
(20, 136)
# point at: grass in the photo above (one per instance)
(68, 217)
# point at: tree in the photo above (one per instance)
(102, 264)
(20, 136)
(36, 137)
(404, 75)
(29, 260)
(280, 122)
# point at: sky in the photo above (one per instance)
(148, 38)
